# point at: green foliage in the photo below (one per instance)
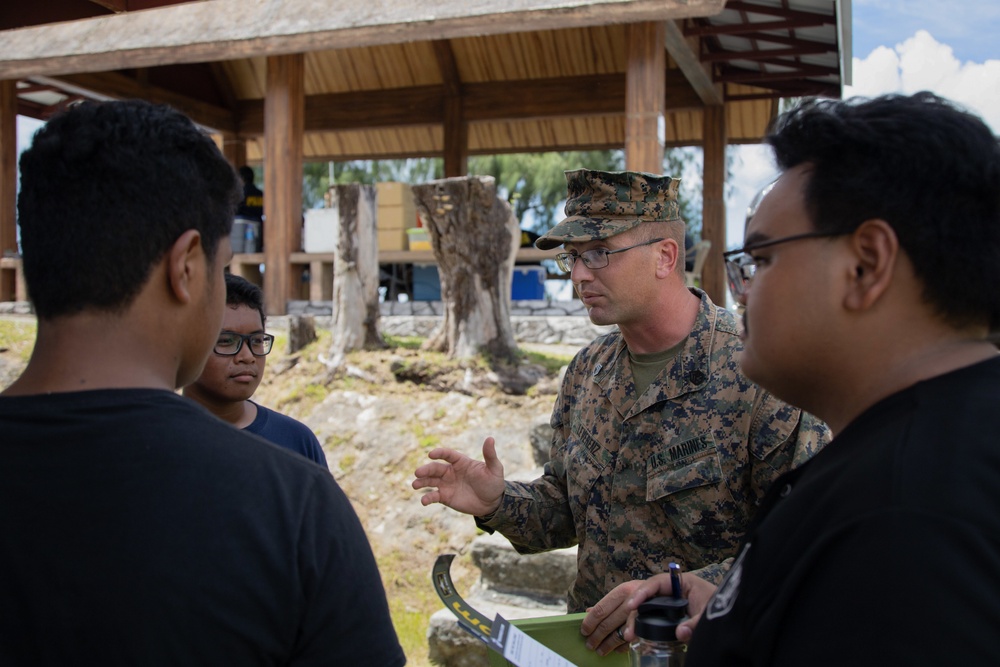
(318, 176)
(533, 183)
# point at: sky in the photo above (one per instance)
(948, 47)
(900, 46)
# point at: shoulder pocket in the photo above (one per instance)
(773, 424)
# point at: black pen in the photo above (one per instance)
(675, 580)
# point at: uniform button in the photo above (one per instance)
(697, 377)
(785, 490)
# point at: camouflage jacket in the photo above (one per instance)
(672, 475)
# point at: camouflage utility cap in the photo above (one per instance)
(601, 204)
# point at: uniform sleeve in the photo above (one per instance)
(535, 516)
(781, 438)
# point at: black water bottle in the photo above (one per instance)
(655, 643)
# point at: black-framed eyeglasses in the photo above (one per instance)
(593, 259)
(741, 266)
(229, 343)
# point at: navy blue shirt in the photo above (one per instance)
(287, 432)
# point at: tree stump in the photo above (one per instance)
(475, 237)
(355, 272)
(301, 332)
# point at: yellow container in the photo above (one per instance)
(418, 238)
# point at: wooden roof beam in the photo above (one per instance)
(737, 75)
(686, 52)
(208, 31)
(794, 42)
(112, 85)
(742, 28)
(783, 12)
(592, 95)
(759, 54)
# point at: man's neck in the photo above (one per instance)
(669, 321)
(896, 371)
(93, 351)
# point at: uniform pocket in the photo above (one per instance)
(692, 494)
(703, 470)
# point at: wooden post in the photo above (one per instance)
(713, 214)
(284, 117)
(235, 149)
(645, 97)
(456, 139)
(8, 186)
(456, 130)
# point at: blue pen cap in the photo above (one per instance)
(659, 617)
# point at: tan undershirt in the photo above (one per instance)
(645, 367)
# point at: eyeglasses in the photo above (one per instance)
(593, 259)
(229, 344)
(741, 266)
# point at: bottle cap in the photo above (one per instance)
(659, 617)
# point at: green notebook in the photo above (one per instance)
(562, 635)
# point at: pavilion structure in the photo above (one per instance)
(282, 82)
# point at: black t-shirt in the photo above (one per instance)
(137, 529)
(882, 550)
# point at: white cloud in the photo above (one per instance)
(918, 63)
(26, 128)
(923, 63)
(753, 168)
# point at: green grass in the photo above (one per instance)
(18, 337)
(412, 601)
(550, 362)
(406, 342)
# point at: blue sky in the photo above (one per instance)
(951, 48)
(970, 27)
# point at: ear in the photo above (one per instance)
(666, 257)
(875, 249)
(186, 265)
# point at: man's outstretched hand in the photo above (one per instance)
(455, 480)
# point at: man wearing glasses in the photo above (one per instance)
(870, 276)
(234, 371)
(662, 447)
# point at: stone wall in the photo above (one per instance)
(545, 322)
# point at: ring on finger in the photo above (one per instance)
(621, 633)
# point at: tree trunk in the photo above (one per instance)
(355, 272)
(475, 237)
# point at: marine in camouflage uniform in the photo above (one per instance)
(672, 475)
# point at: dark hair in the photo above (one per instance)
(106, 190)
(242, 292)
(246, 173)
(926, 167)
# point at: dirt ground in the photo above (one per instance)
(376, 428)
